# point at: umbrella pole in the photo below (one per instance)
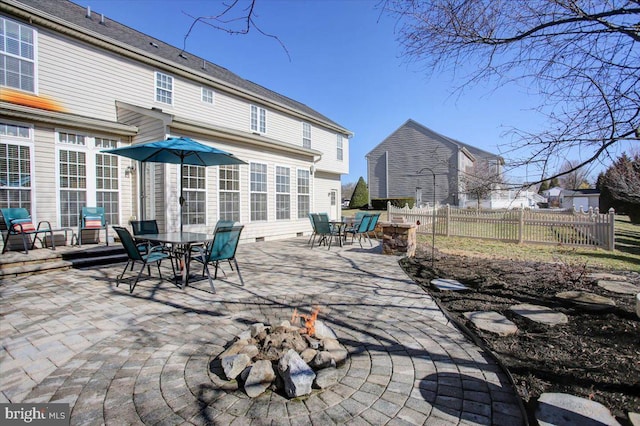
(181, 198)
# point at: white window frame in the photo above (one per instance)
(258, 191)
(20, 141)
(339, 147)
(258, 119)
(283, 193)
(90, 190)
(110, 176)
(20, 56)
(306, 135)
(198, 190)
(163, 84)
(208, 96)
(303, 192)
(223, 189)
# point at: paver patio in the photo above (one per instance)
(143, 358)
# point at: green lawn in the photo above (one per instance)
(626, 256)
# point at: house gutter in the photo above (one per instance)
(22, 112)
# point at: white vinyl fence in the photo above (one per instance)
(565, 227)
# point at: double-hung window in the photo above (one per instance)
(258, 190)
(16, 143)
(207, 96)
(304, 193)
(194, 191)
(306, 135)
(258, 119)
(283, 193)
(229, 183)
(164, 88)
(339, 146)
(87, 177)
(17, 56)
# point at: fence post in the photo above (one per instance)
(521, 227)
(447, 220)
(388, 213)
(612, 235)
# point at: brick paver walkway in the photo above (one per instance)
(146, 358)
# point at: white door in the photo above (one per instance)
(335, 208)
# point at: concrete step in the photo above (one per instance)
(38, 261)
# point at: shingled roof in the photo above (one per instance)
(76, 15)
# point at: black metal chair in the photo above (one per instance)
(151, 255)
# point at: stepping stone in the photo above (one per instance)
(492, 322)
(621, 287)
(539, 314)
(556, 409)
(443, 284)
(587, 300)
(606, 276)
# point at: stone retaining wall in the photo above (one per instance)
(398, 238)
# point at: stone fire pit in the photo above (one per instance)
(285, 358)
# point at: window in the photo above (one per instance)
(207, 95)
(304, 200)
(107, 194)
(17, 56)
(283, 193)
(15, 166)
(258, 191)
(229, 183)
(339, 146)
(258, 119)
(87, 177)
(164, 88)
(306, 135)
(194, 192)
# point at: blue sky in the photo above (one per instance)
(345, 62)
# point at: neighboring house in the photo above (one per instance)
(401, 166)
(580, 199)
(508, 199)
(553, 196)
(74, 82)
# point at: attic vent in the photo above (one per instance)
(204, 64)
(153, 44)
(102, 18)
(182, 55)
(89, 12)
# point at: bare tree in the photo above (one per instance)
(576, 178)
(582, 56)
(480, 179)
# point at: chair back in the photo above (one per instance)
(225, 243)
(322, 223)
(144, 227)
(359, 216)
(223, 224)
(363, 226)
(93, 217)
(313, 223)
(373, 222)
(128, 243)
(16, 220)
(324, 216)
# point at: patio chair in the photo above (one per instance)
(223, 247)
(151, 255)
(372, 227)
(312, 237)
(361, 229)
(324, 229)
(17, 221)
(93, 219)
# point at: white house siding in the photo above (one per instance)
(325, 183)
(88, 80)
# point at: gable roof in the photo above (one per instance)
(72, 19)
(444, 139)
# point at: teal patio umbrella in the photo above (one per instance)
(177, 151)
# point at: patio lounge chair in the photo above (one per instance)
(324, 229)
(93, 219)
(223, 247)
(17, 221)
(151, 255)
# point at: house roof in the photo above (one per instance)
(445, 139)
(74, 18)
(580, 192)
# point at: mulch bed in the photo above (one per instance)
(596, 355)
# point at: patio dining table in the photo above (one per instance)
(181, 243)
